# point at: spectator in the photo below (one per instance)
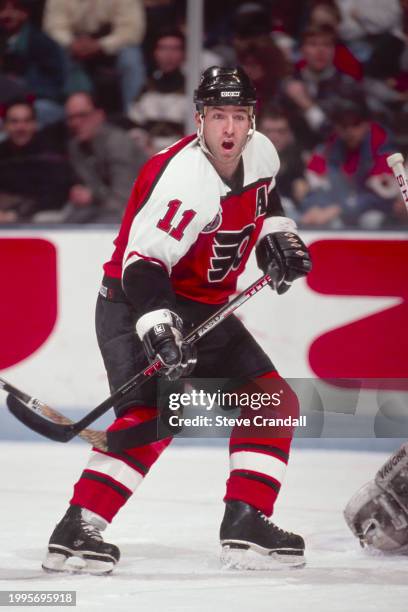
(266, 66)
(102, 35)
(163, 135)
(325, 13)
(289, 16)
(163, 98)
(35, 59)
(218, 24)
(105, 160)
(292, 186)
(33, 176)
(350, 182)
(363, 20)
(317, 82)
(251, 20)
(404, 34)
(160, 135)
(159, 12)
(11, 88)
(386, 84)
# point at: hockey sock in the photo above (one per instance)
(258, 460)
(109, 479)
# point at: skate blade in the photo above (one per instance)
(257, 558)
(59, 563)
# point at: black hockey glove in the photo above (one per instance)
(164, 341)
(283, 255)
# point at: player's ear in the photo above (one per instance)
(197, 118)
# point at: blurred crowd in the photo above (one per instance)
(89, 89)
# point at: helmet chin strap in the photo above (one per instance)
(200, 136)
(203, 144)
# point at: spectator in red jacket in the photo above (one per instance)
(325, 13)
(349, 179)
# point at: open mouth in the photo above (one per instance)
(227, 145)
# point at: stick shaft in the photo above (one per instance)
(59, 428)
(202, 330)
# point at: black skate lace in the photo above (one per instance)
(91, 531)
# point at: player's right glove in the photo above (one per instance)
(285, 257)
(161, 332)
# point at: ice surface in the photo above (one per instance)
(168, 535)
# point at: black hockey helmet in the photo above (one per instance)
(224, 86)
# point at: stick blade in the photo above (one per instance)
(38, 422)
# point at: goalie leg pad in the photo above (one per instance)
(377, 519)
(393, 476)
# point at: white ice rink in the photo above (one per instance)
(168, 535)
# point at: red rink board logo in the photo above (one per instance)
(375, 346)
(28, 304)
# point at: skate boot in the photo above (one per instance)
(250, 540)
(76, 545)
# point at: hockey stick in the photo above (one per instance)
(396, 163)
(48, 422)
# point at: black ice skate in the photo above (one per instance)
(76, 545)
(250, 540)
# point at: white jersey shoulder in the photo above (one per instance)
(184, 200)
(261, 160)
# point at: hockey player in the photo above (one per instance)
(195, 213)
(378, 513)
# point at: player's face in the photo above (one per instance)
(226, 130)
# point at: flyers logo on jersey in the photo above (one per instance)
(229, 249)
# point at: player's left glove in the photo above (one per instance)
(283, 255)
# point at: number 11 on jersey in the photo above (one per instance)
(166, 224)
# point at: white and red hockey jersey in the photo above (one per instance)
(182, 216)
